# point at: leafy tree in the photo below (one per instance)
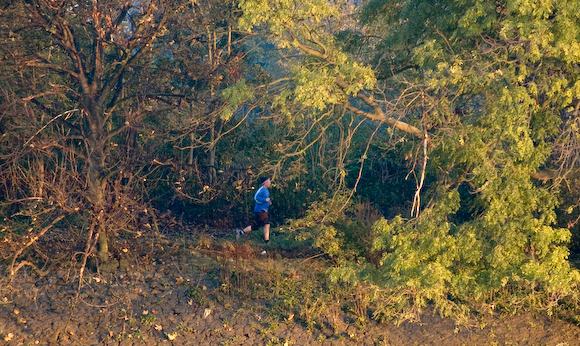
(489, 88)
(327, 75)
(507, 91)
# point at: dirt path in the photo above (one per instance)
(195, 297)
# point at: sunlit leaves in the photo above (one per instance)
(503, 74)
(303, 26)
(234, 97)
(283, 15)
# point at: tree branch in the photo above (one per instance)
(306, 49)
(52, 114)
(116, 131)
(378, 113)
(30, 242)
(129, 60)
(382, 117)
(53, 67)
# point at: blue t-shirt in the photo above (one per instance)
(260, 198)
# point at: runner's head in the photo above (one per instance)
(266, 182)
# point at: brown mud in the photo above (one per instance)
(196, 295)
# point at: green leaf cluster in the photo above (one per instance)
(319, 225)
(306, 27)
(235, 96)
(283, 15)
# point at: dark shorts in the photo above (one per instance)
(260, 220)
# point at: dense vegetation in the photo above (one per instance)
(430, 148)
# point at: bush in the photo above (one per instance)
(339, 227)
(479, 265)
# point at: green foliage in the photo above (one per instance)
(282, 15)
(505, 245)
(303, 26)
(319, 225)
(339, 227)
(504, 105)
(497, 105)
(235, 96)
(471, 266)
(315, 87)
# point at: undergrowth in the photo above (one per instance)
(396, 268)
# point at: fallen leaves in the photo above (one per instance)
(171, 336)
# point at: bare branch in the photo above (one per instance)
(52, 114)
(57, 68)
(417, 197)
(30, 242)
(51, 120)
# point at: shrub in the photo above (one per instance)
(477, 265)
(339, 227)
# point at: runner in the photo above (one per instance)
(262, 199)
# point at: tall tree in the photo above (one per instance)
(80, 65)
(488, 87)
(107, 96)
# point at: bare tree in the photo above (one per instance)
(73, 65)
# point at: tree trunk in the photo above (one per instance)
(190, 158)
(96, 177)
(97, 199)
(215, 131)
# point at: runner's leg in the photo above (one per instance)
(267, 232)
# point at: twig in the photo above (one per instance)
(313, 257)
(417, 198)
(30, 264)
(22, 200)
(51, 120)
(363, 158)
(86, 255)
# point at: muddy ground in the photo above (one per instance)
(197, 294)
